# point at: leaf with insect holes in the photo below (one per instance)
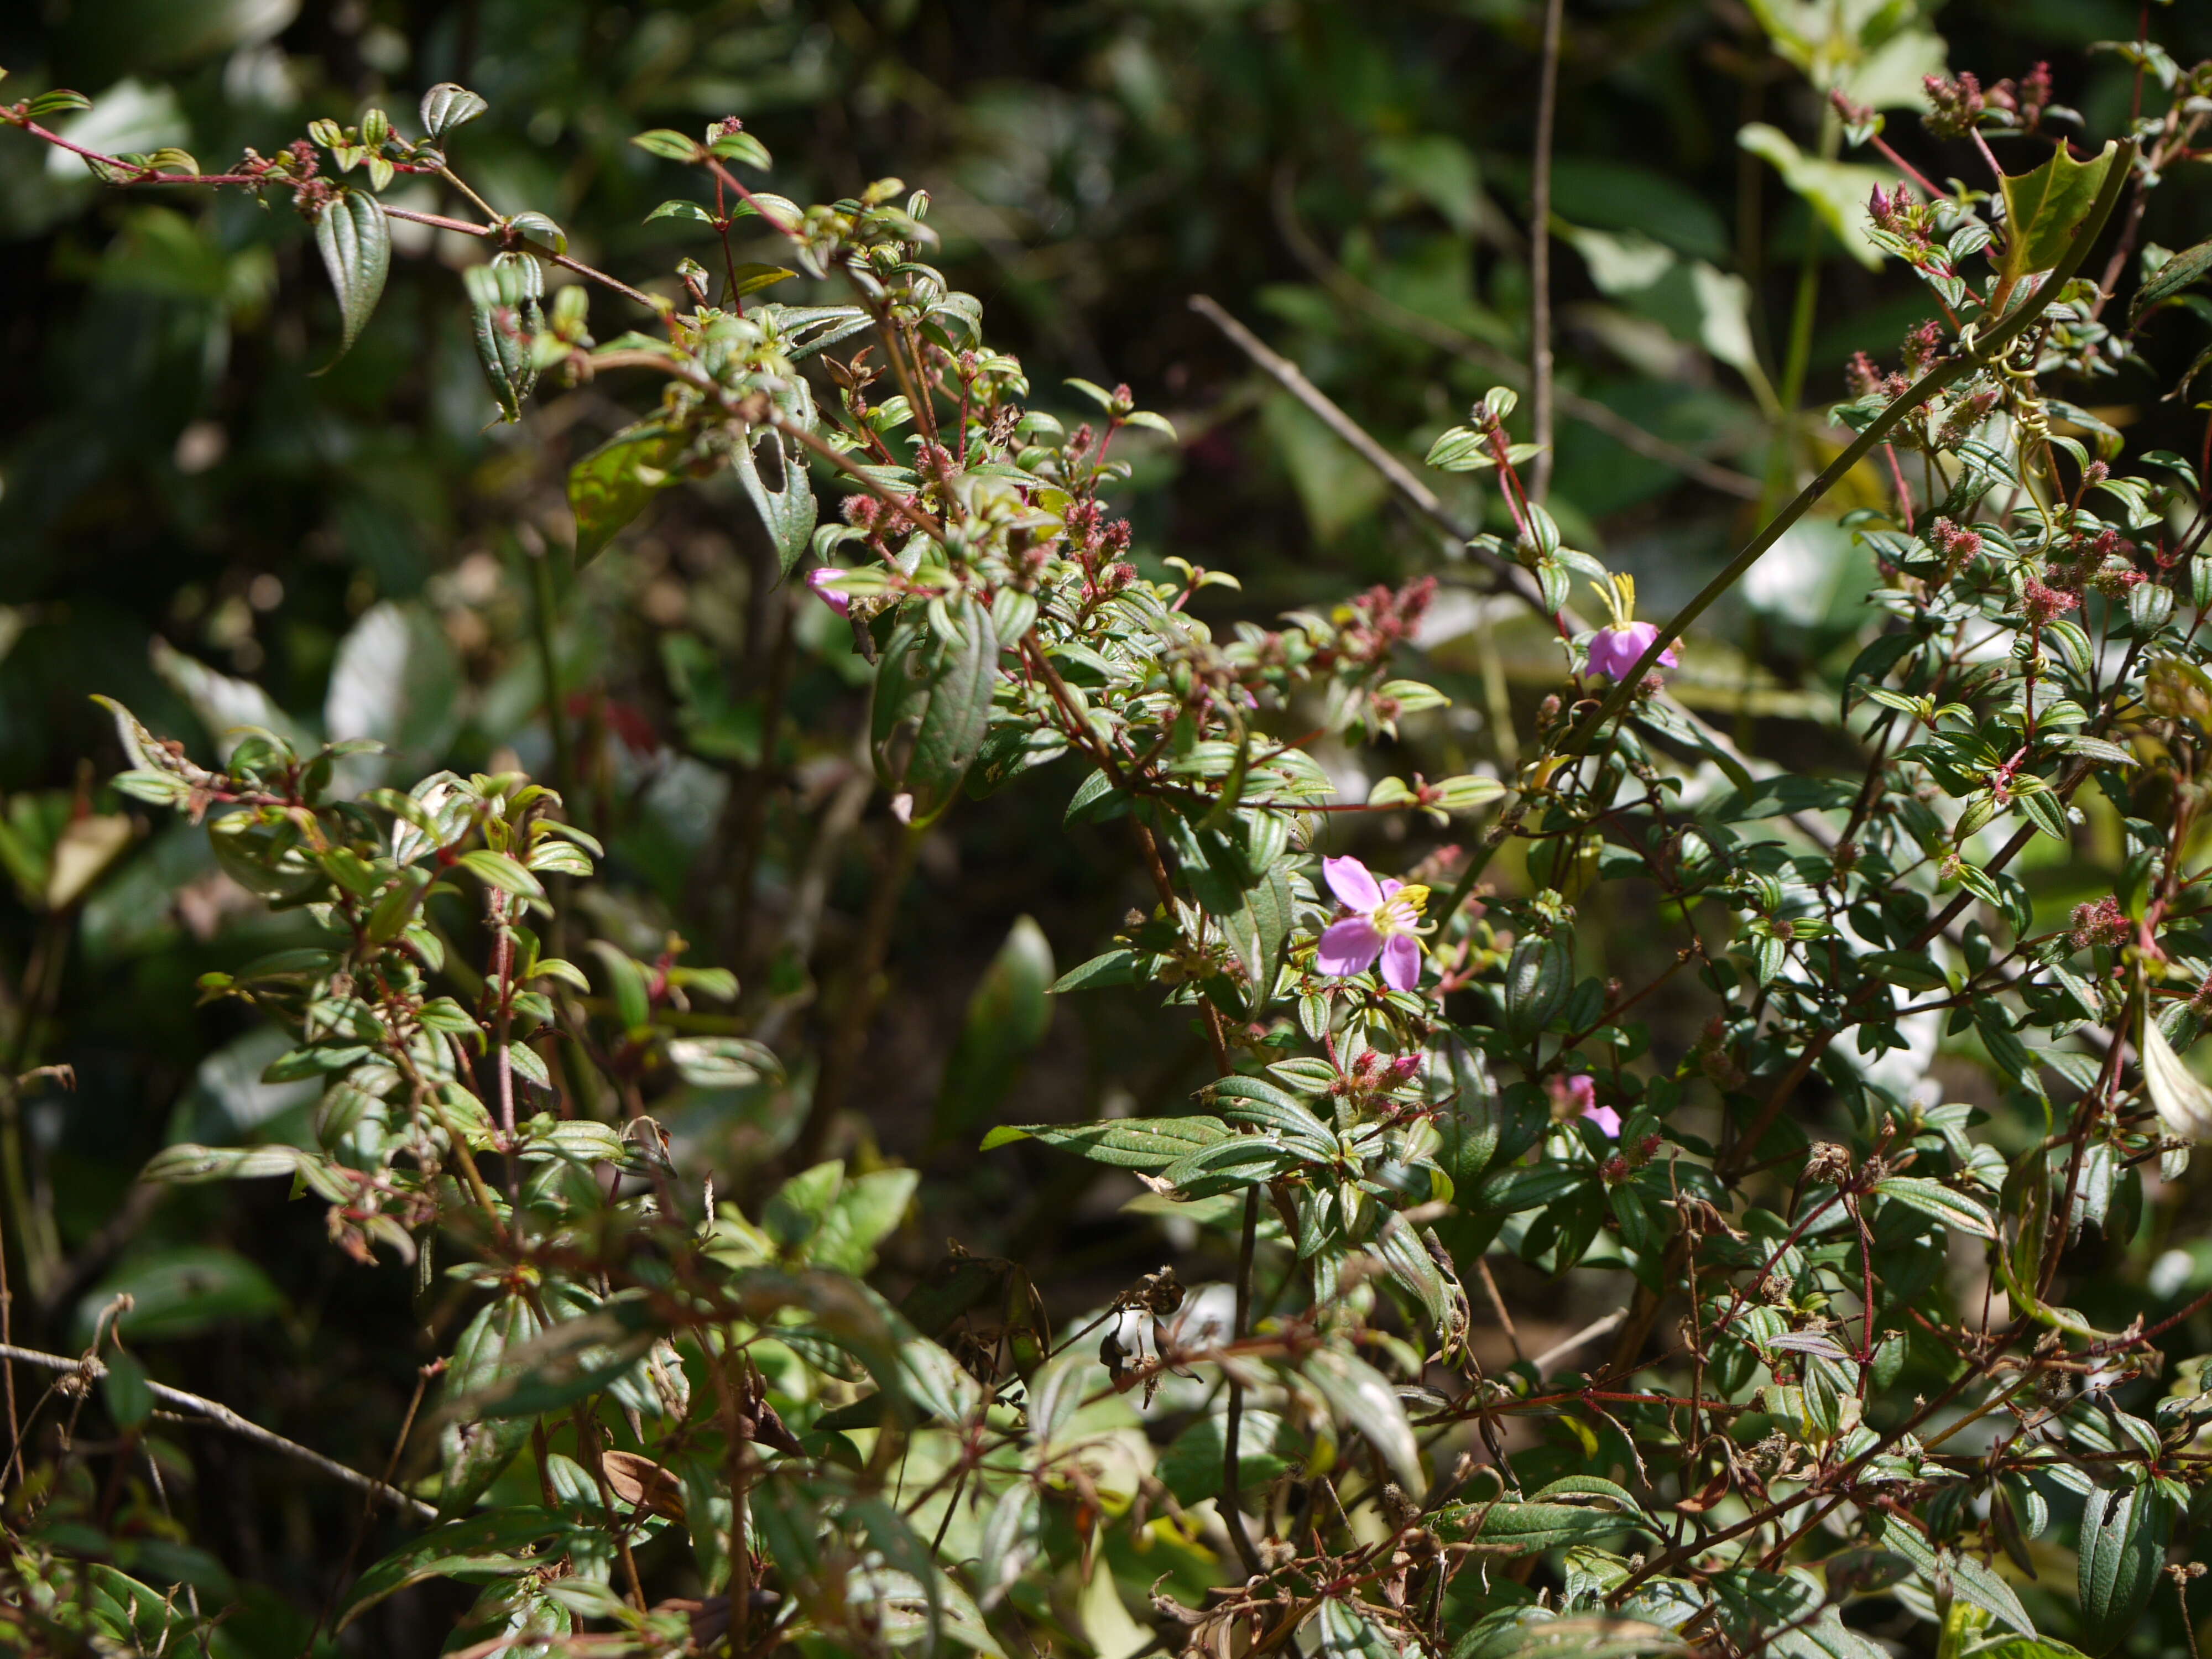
(2123, 1535)
(354, 239)
(779, 492)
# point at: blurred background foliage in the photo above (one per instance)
(196, 520)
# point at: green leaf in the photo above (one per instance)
(681, 209)
(472, 1451)
(866, 1210)
(741, 147)
(1114, 968)
(1230, 1165)
(1251, 1100)
(484, 1546)
(786, 508)
(504, 315)
(1530, 1528)
(750, 277)
(1192, 1465)
(2178, 273)
(2045, 208)
(2184, 1105)
(669, 145)
(2124, 1533)
(1970, 1579)
(498, 871)
(124, 1388)
(447, 106)
(182, 1291)
(1008, 1015)
(1362, 1397)
(1127, 1143)
(356, 242)
(540, 228)
(723, 1062)
(932, 707)
(1836, 190)
(1954, 1210)
(625, 982)
(611, 486)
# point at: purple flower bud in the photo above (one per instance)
(1614, 651)
(824, 579)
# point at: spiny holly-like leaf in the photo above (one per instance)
(2045, 208)
(356, 242)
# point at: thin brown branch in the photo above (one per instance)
(221, 1416)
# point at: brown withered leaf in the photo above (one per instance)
(641, 1482)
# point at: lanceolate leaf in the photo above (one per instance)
(2178, 273)
(932, 707)
(1954, 1210)
(1364, 1398)
(356, 242)
(501, 1544)
(472, 1451)
(2045, 208)
(2184, 1104)
(1128, 1143)
(2123, 1535)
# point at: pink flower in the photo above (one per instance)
(1577, 1097)
(1384, 922)
(822, 579)
(1614, 651)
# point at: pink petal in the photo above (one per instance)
(1614, 651)
(1607, 1120)
(1348, 947)
(1391, 886)
(1352, 881)
(822, 579)
(1401, 964)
